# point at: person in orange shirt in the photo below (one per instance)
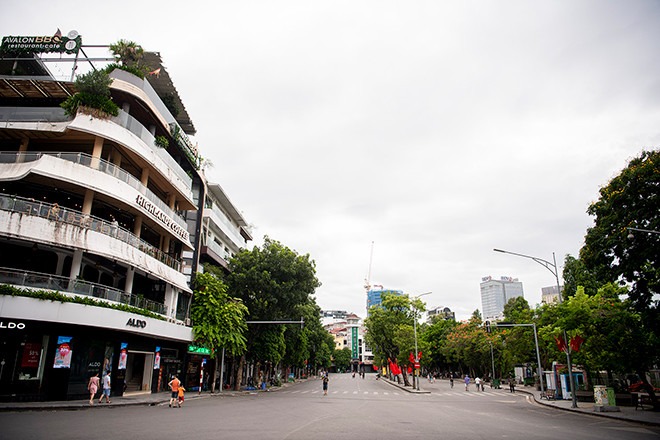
(181, 390)
(174, 386)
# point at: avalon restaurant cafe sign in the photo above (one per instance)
(69, 43)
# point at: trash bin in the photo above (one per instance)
(611, 397)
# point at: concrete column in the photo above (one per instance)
(60, 263)
(96, 153)
(22, 149)
(75, 264)
(137, 228)
(87, 203)
(130, 274)
(170, 300)
(144, 179)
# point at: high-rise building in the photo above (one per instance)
(550, 294)
(375, 297)
(496, 293)
(101, 224)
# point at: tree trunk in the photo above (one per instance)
(215, 373)
(239, 373)
(405, 378)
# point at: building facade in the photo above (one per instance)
(442, 313)
(375, 296)
(496, 293)
(550, 294)
(104, 222)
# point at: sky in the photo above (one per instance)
(402, 140)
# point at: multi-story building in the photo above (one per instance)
(224, 230)
(550, 294)
(103, 220)
(442, 313)
(374, 296)
(496, 293)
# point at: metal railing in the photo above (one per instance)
(96, 164)
(17, 277)
(57, 213)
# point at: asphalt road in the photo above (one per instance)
(354, 408)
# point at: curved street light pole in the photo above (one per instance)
(552, 267)
(415, 327)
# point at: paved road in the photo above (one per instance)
(354, 408)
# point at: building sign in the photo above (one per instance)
(10, 325)
(354, 342)
(63, 352)
(198, 350)
(162, 217)
(69, 43)
(136, 323)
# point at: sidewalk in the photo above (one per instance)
(140, 398)
(627, 413)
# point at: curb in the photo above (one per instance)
(605, 415)
(402, 387)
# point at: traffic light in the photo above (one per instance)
(487, 326)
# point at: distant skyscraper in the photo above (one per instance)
(550, 294)
(374, 297)
(496, 293)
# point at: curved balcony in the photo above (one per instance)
(99, 165)
(64, 215)
(37, 280)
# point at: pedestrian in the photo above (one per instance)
(451, 379)
(512, 384)
(93, 387)
(181, 391)
(467, 383)
(174, 386)
(477, 382)
(106, 388)
(325, 384)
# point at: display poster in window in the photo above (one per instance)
(31, 355)
(157, 359)
(63, 353)
(123, 356)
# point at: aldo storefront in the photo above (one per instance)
(44, 360)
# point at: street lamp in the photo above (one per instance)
(415, 327)
(552, 267)
(649, 231)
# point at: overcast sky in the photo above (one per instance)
(438, 130)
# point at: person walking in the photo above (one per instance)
(325, 384)
(174, 386)
(93, 387)
(106, 388)
(451, 380)
(512, 384)
(477, 382)
(467, 383)
(181, 391)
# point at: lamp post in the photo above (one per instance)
(415, 327)
(552, 267)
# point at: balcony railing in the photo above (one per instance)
(65, 215)
(100, 165)
(57, 283)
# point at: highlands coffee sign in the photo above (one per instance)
(69, 43)
(162, 217)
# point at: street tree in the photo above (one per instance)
(342, 358)
(218, 320)
(272, 281)
(616, 253)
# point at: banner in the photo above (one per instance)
(63, 352)
(157, 359)
(123, 355)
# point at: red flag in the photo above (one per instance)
(409, 370)
(576, 341)
(156, 72)
(561, 345)
(375, 367)
(419, 356)
(411, 358)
